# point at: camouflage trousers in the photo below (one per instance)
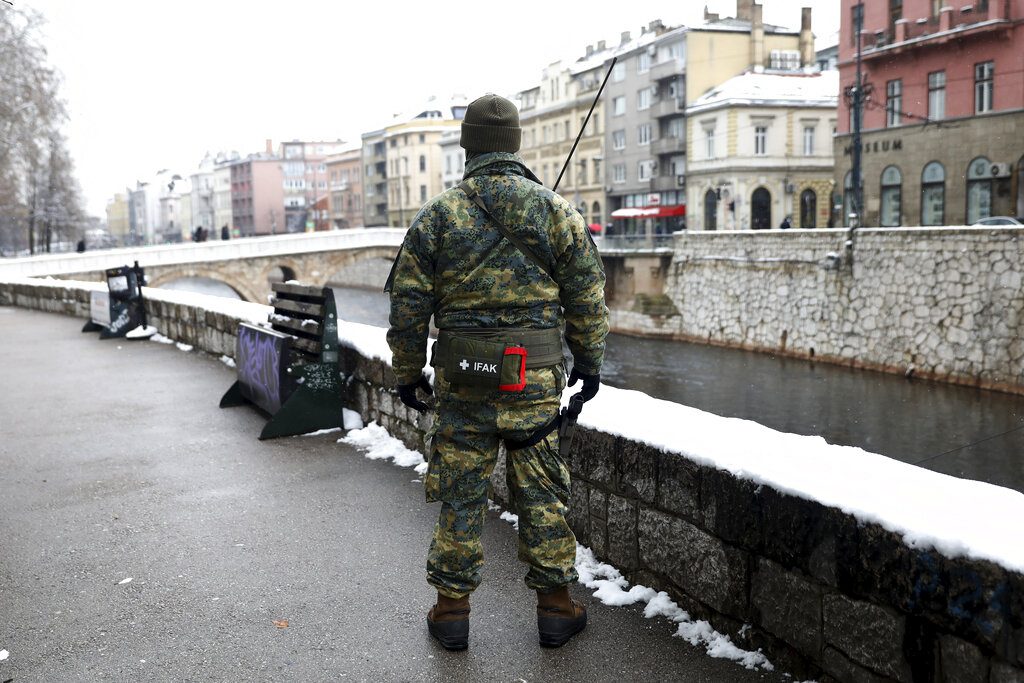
(466, 436)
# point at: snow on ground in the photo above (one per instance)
(183, 347)
(228, 361)
(510, 518)
(377, 444)
(4, 654)
(351, 419)
(161, 339)
(319, 432)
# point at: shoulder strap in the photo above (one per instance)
(475, 197)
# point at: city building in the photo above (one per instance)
(454, 159)
(761, 151)
(305, 183)
(345, 182)
(552, 115)
(118, 221)
(375, 179)
(413, 158)
(257, 195)
(137, 232)
(202, 199)
(941, 136)
(222, 192)
(656, 78)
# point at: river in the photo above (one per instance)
(908, 420)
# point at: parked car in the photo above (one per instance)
(997, 220)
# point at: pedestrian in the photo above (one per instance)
(224, 233)
(501, 263)
(785, 225)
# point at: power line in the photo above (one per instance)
(975, 443)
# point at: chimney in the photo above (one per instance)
(600, 46)
(624, 38)
(270, 146)
(656, 26)
(744, 9)
(710, 16)
(590, 50)
(756, 39)
(807, 56)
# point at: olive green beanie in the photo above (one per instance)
(491, 124)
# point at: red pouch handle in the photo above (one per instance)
(521, 352)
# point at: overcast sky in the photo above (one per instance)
(154, 85)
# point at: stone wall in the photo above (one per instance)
(823, 593)
(941, 303)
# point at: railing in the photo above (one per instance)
(633, 243)
(251, 247)
(667, 106)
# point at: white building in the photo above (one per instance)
(453, 159)
(760, 150)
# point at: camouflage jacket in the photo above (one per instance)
(438, 270)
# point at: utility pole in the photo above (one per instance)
(857, 200)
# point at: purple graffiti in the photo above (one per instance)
(258, 358)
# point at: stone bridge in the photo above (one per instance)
(248, 266)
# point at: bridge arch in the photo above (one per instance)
(168, 274)
(364, 268)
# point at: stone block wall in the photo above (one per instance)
(824, 594)
(941, 303)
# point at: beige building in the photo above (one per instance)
(761, 150)
(118, 224)
(414, 159)
(345, 184)
(552, 115)
(375, 179)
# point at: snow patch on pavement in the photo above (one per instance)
(329, 430)
(4, 654)
(511, 519)
(377, 444)
(161, 339)
(228, 361)
(124, 581)
(183, 347)
(351, 419)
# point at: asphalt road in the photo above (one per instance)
(116, 464)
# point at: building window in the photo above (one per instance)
(808, 209)
(895, 14)
(643, 62)
(808, 141)
(892, 197)
(937, 95)
(893, 102)
(760, 140)
(983, 75)
(643, 99)
(619, 72)
(595, 213)
(618, 139)
(709, 142)
(643, 134)
(619, 173)
(597, 170)
(568, 132)
(933, 194)
(856, 22)
(784, 60)
(423, 138)
(645, 171)
(423, 193)
(979, 190)
(619, 105)
(710, 210)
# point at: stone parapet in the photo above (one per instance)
(823, 593)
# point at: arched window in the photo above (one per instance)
(892, 197)
(595, 213)
(761, 209)
(710, 210)
(979, 190)
(933, 194)
(808, 209)
(847, 198)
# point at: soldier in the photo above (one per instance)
(502, 264)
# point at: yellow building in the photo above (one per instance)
(117, 217)
(414, 159)
(551, 116)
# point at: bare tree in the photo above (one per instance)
(38, 190)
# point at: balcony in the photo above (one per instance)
(667, 106)
(668, 146)
(950, 24)
(667, 69)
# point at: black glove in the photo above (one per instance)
(591, 383)
(407, 392)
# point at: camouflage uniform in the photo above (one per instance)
(444, 245)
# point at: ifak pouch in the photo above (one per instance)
(475, 362)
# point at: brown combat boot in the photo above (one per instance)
(559, 617)
(448, 621)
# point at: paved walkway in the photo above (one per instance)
(116, 464)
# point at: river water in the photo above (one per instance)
(907, 420)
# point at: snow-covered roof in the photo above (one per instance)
(808, 89)
(434, 104)
(742, 25)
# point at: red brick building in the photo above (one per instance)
(943, 124)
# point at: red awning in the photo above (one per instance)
(650, 212)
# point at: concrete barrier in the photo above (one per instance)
(823, 591)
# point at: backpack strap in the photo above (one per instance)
(475, 197)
